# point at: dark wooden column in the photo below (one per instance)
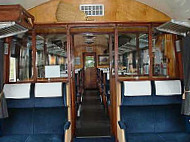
(34, 56)
(71, 85)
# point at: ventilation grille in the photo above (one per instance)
(10, 29)
(175, 27)
(92, 9)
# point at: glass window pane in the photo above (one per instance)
(51, 53)
(133, 54)
(89, 61)
(12, 75)
(21, 58)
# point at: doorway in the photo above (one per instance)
(90, 70)
(93, 119)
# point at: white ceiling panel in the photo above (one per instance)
(176, 9)
(27, 4)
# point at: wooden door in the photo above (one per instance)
(90, 71)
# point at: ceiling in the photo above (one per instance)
(27, 4)
(176, 9)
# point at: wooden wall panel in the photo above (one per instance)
(170, 53)
(68, 136)
(115, 11)
(45, 13)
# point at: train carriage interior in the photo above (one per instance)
(94, 71)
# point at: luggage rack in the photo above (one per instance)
(181, 28)
(14, 19)
(10, 29)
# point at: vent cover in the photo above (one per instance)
(175, 27)
(92, 9)
(10, 29)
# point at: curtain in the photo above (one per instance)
(3, 104)
(186, 68)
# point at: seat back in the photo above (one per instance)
(20, 101)
(50, 113)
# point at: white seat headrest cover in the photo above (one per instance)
(48, 89)
(137, 88)
(168, 87)
(17, 91)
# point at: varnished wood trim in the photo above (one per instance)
(116, 52)
(150, 52)
(145, 78)
(73, 93)
(95, 24)
(34, 56)
(115, 82)
(42, 80)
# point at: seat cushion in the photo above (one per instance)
(32, 138)
(168, 119)
(44, 138)
(138, 119)
(175, 137)
(20, 121)
(49, 120)
(14, 138)
(144, 137)
(158, 137)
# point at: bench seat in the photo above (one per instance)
(153, 118)
(36, 119)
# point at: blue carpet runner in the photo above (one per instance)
(103, 139)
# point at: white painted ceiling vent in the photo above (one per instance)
(92, 9)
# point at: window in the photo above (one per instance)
(12, 75)
(51, 53)
(92, 9)
(89, 61)
(21, 58)
(133, 54)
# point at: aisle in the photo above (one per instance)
(94, 120)
(103, 139)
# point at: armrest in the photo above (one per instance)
(67, 125)
(122, 125)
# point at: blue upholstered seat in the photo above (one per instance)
(36, 119)
(153, 118)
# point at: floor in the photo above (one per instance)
(94, 120)
(103, 139)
